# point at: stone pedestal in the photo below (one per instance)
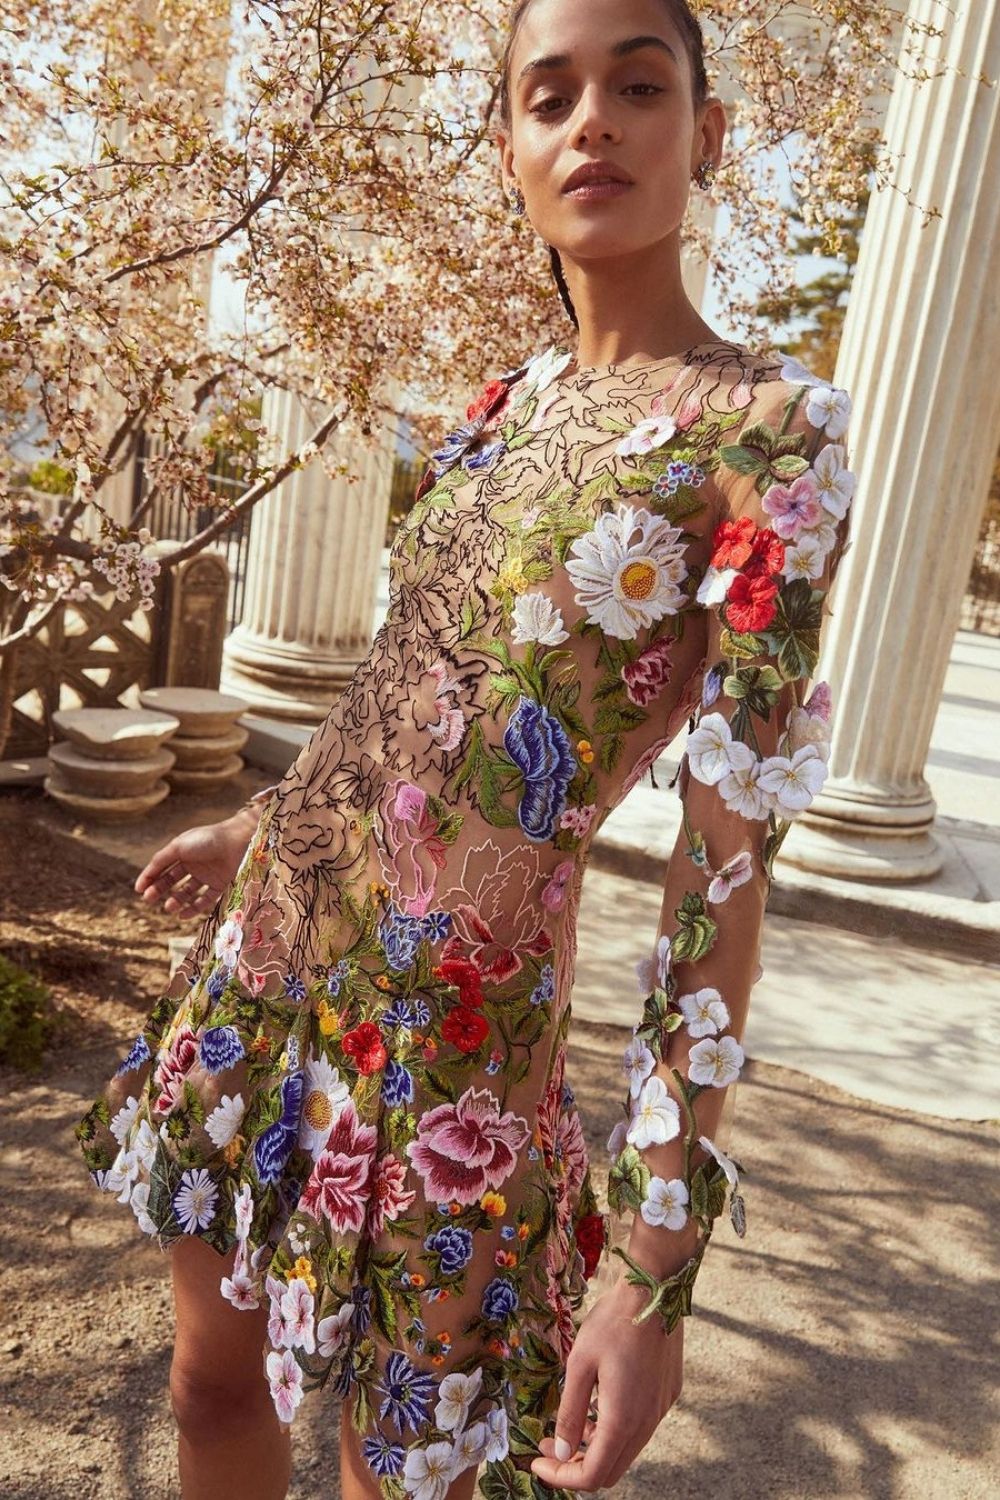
(206, 744)
(191, 619)
(918, 357)
(312, 574)
(112, 762)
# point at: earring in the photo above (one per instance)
(517, 204)
(705, 175)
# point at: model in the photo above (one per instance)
(349, 1116)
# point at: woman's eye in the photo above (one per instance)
(554, 101)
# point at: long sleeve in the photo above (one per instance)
(755, 760)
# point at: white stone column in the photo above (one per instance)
(919, 358)
(314, 557)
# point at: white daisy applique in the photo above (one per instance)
(628, 571)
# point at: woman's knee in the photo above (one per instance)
(217, 1375)
(210, 1406)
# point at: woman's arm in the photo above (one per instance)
(754, 762)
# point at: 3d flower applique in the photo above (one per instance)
(484, 409)
(705, 1012)
(792, 781)
(536, 618)
(647, 435)
(655, 970)
(835, 482)
(734, 873)
(628, 570)
(664, 1205)
(638, 1063)
(794, 507)
(715, 1061)
(655, 1114)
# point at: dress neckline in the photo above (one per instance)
(573, 370)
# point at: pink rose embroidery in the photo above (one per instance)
(388, 1198)
(466, 1149)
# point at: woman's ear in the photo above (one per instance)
(506, 156)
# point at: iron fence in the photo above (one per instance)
(171, 518)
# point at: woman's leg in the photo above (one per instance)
(357, 1481)
(230, 1441)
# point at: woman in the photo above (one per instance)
(350, 1110)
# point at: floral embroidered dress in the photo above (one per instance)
(357, 1077)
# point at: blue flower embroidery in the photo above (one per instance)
(274, 1146)
(138, 1054)
(453, 1245)
(499, 1299)
(397, 1084)
(384, 1458)
(538, 745)
(408, 1393)
(436, 925)
(400, 934)
(220, 1048)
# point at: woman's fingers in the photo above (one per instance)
(573, 1407)
(158, 866)
(595, 1467)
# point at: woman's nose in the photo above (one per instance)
(593, 121)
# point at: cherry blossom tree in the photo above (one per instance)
(334, 159)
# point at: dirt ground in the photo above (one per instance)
(845, 1348)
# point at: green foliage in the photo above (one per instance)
(26, 1022)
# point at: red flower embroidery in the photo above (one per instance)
(365, 1045)
(768, 553)
(464, 974)
(732, 542)
(589, 1233)
(465, 1028)
(750, 602)
(484, 403)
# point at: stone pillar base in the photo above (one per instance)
(280, 681)
(865, 833)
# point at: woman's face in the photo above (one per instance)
(606, 81)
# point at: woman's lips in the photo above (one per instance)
(609, 189)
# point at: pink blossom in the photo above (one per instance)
(410, 802)
(388, 1198)
(339, 1185)
(285, 1380)
(578, 819)
(795, 507)
(554, 893)
(298, 1307)
(466, 1149)
(820, 702)
(416, 851)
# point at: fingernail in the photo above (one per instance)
(563, 1450)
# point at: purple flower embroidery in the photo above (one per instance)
(538, 745)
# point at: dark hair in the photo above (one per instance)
(689, 27)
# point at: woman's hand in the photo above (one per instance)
(190, 873)
(639, 1372)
